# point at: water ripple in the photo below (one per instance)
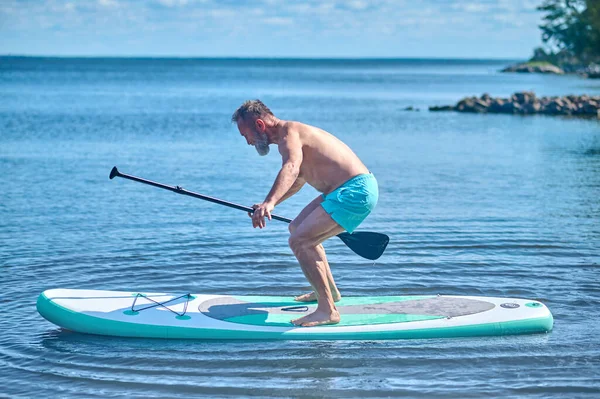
(491, 205)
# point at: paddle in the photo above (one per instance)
(366, 244)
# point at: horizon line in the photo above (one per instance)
(308, 58)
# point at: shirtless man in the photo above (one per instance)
(310, 155)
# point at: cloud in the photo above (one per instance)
(310, 24)
(173, 3)
(358, 4)
(471, 7)
(279, 21)
(105, 3)
(509, 20)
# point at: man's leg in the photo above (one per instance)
(312, 296)
(304, 241)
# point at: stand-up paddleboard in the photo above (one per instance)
(154, 315)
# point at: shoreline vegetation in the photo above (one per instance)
(571, 34)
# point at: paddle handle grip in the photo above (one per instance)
(176, 189)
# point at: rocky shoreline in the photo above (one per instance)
(591, 71)
(528, 68)
(526, 103)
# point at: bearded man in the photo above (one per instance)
(349, 194)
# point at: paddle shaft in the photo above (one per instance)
(367, 244)
(179, 190)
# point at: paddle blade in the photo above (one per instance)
(114, 172)
(366, 244)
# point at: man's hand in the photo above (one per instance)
(260, 211)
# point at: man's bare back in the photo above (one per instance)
(327, 162)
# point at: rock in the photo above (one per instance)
(577, 110)
(554, 107)
(516, 108)
(531, 108)
(591, 71)
(509, 107)
(569, 108)
(466, 104)
(480, 106)
(496, 105)
(589, 107)
(486, 98)
(534, 68)
(442, 108)
(524, 97)
(527, 103)
(472, 104)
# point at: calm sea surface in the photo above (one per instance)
(494, 205)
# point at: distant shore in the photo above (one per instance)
(591, 71)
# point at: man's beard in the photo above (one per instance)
(261, 143)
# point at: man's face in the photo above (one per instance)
(254, 137)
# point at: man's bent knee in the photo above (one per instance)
(300, 244)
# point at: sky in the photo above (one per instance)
(505, 29)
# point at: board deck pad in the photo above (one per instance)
(278, 311)
(199, 316)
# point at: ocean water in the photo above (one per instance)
(494, 205)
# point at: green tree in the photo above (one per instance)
(592, 16)
(572, 27)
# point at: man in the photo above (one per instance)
(310, 155)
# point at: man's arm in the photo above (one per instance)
(293, 190)
(291, 153)
(290, 148)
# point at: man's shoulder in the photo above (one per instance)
(290, 137)
(293, 129)
(294, 126)
(301, 129)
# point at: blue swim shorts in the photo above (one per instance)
(351, 203)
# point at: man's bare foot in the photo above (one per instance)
(312, 297)
(318, 318)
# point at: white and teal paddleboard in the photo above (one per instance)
(154, 315)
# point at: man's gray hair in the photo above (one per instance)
(254, 108)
